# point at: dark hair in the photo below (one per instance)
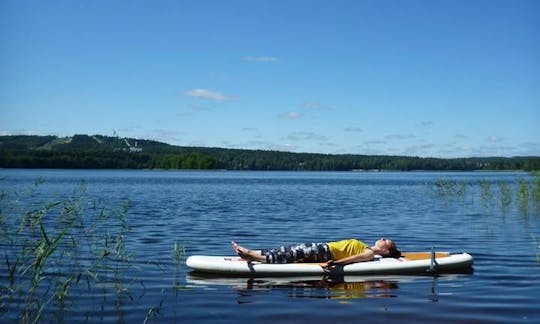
(393, 252)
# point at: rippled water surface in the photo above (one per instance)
(493, 216)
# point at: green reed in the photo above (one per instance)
(487, 195)
(536, 192)
(505, 194)
(498, 194)
(177, 258)
(179, 252)
(51, 239)
(449, 188)
(71, 246)
(523, 196)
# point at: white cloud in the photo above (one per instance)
(130, 129)
(25, 132)
(399, 136)
(496, 150)
(282, 147)
(257, 144)
(312, 105)
(375, 142)
(207, 94)
(530, 145)
(165, 135)
(315, 105)
(450, 151)
(494, 139)
(290, 115)
(261, 59)
(306, 136)
(421, 149)
(529, 148)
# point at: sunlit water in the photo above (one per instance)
(204, 211)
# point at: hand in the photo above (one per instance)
(329, 266)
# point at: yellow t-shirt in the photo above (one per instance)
(346, 248)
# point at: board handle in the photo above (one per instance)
(433, 265)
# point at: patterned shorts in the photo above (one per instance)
(305, 252)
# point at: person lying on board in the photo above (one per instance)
(329, 254)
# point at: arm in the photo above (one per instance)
(367, 255)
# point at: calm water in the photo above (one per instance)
(204, 211)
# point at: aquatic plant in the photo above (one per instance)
(501, 193)
(536, 192)
(505, 194)
(485, 186)
(51, 252)
(51, 240)
(523, 196)
(178, 256)
(179, 253)
(449, 188)
(536, 247)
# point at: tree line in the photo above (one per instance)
(249, 160)
(102, 152)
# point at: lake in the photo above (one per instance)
(117, 242)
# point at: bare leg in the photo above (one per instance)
(247, 254)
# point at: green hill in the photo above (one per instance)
(97, 151)
(76, 142)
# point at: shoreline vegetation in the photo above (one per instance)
(55, 253)
(105, 152)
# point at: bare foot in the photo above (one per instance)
(236, 248)
(241, 251)
(246, 254)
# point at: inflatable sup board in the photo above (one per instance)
(409, 263)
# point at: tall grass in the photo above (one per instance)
(537, 247)
(41, 249)
(177, 259)
(504, 193)
(536, 192)
(52, 253)
(487, 195)
(523, 194)
(449, 188)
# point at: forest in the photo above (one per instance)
(104, 152)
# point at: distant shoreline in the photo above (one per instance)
(103, 152)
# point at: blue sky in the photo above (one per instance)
(416, 78)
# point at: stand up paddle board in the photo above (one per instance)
(409, 263)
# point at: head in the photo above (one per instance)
(387, 248)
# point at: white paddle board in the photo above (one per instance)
(409, 263)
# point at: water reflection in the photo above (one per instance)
(334, 287)
(328, 288)
(341, 288)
